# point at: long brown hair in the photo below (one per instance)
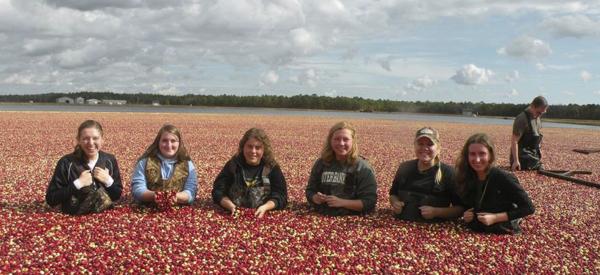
(328, 155)
(260, 135)
(464, 172)
(78, 152)
(153, 149)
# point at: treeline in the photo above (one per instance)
(571, 111)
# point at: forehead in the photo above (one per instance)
(342, 133)
(478, 148)
(167, 135)
(253, 142)
(90, 131)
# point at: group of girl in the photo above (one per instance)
(341, 182)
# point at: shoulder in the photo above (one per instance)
(363, 165)
(446, 168)
(498, 174)
(107, 155)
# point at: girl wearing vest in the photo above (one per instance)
(165, 167)
(496, 200)
(87, 180)
(423, 188)
(341, 182)
(251, 178)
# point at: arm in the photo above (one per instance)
(514, 150)
(220, 186)
(511, 188)
(190, 187)
(399, 180)
(115, 189)
(59, 189)
(261, 210)
(278, 188)
(519, 126)
(367, 191)
(312, 188)
(517, 195)
(451, 212)
(139, 188)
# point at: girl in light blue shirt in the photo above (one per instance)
(165, 168)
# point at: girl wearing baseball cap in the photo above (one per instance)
(423, 188)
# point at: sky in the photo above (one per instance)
(437, 50)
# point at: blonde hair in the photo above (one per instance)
(328, 155)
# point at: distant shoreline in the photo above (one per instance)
(21, 106)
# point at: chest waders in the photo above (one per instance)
(249, 194)
(154, 179)
(529, 148)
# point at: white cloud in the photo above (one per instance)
(268, 78)
(568, 93)
(308, 77)
(166, 89)
(597, 92)
(526, 47)
(576, 25)
(513, 92)
(512, 76)
(585, 75)
(24, 79)
(472, 75)
(420, 84)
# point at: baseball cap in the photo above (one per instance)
(428, 132)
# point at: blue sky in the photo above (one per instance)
(444, 50)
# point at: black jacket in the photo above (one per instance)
(416, 189)
(227, 178)
(503, 194)
(61, 187)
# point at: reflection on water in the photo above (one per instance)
(274, 111)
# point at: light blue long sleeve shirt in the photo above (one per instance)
(139, 182)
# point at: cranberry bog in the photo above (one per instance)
(561, 237)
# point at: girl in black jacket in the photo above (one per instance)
(496, 200)
(87, 180)
(251, 178)
(423, 188)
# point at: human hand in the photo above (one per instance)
(428, 212)
(319, 198)
(468, 215)
(261, 210)
(333, 201)
(397, 206)
(486, 218)
(101, 174)
(516, 166)
(228, 205)
(85, 178)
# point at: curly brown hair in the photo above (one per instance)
(260, 135)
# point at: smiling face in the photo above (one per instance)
(479, 159)
(426, 150)
(341, 143)
(90, 140)
(253, 151)
(168, 145)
